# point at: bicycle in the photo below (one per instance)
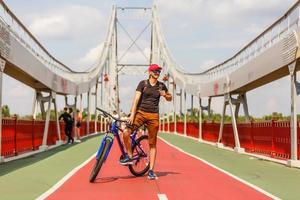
(140, 149)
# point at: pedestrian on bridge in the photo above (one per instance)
(78, 125)
(68, 120)
(145, 110)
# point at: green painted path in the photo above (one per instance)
(30, 177)
(277, 179)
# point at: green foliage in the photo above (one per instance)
(5, 111)
(52, 115)
(276, 116)
(84, 115)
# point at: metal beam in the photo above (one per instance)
(134, 8)
(132, 65)
(47, 122)
(56, 119)
(200, 120)
(294, 135)
(2, 66)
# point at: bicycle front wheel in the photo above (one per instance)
(97, 166)
(141, 151)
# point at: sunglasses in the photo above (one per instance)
(156, 71)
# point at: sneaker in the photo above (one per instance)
(152, 175)
(126, 161)
(77, 141)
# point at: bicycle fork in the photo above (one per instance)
(103, 143)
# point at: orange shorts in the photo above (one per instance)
(151, 120)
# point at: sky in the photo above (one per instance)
(199, 33)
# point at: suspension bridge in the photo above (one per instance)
(203, 160)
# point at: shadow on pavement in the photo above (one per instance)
(11, 166)
(115, 178)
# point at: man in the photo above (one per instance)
(145, 110)
(68, 125)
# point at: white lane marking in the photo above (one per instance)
(64, 179)
(225, 172)
(162, 197)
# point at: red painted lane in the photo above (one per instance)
(180, 177)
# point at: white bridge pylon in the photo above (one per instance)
(271, 55)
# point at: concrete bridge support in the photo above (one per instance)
(200, 114)
(185, 115)
(228, 100)
(96, 104)
(295, 91)
(88, 118)
(2, 66)
(41, 100)
(174, 106)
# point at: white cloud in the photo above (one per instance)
(73, 21)
(44, 27)
(258, 5)
(91, 56)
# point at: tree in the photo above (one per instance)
(5, 111)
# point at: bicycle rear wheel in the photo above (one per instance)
(140, 150)
(100, 160)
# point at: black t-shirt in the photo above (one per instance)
(68, 119)
(150, 96)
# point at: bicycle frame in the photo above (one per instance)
(114, 133)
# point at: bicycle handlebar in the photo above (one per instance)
(106, 114)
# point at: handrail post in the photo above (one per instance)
(15, 135)
(2, 66)
(293, 123)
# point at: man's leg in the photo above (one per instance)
(127, 142)
(67, 133)
(152, 156)
(138, 121)
(70, 132)
(153, 126)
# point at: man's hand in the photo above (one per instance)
(131, 118)
(162, 93)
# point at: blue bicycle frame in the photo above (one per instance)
(111, 134)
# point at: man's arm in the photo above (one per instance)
(61, 116)
(134, 105)
(165, 94)
(168, 97)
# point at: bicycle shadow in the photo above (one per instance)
(160, 174)
(115, 178)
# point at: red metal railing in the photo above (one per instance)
(180, 127)
(19, 136)
(210, 131)
(270, 138)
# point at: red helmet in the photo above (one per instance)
(154, 67)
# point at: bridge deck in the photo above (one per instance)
(29, 178)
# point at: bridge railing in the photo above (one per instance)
(278, 30)
(270, 138)
(11, 25)
(20, 136)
